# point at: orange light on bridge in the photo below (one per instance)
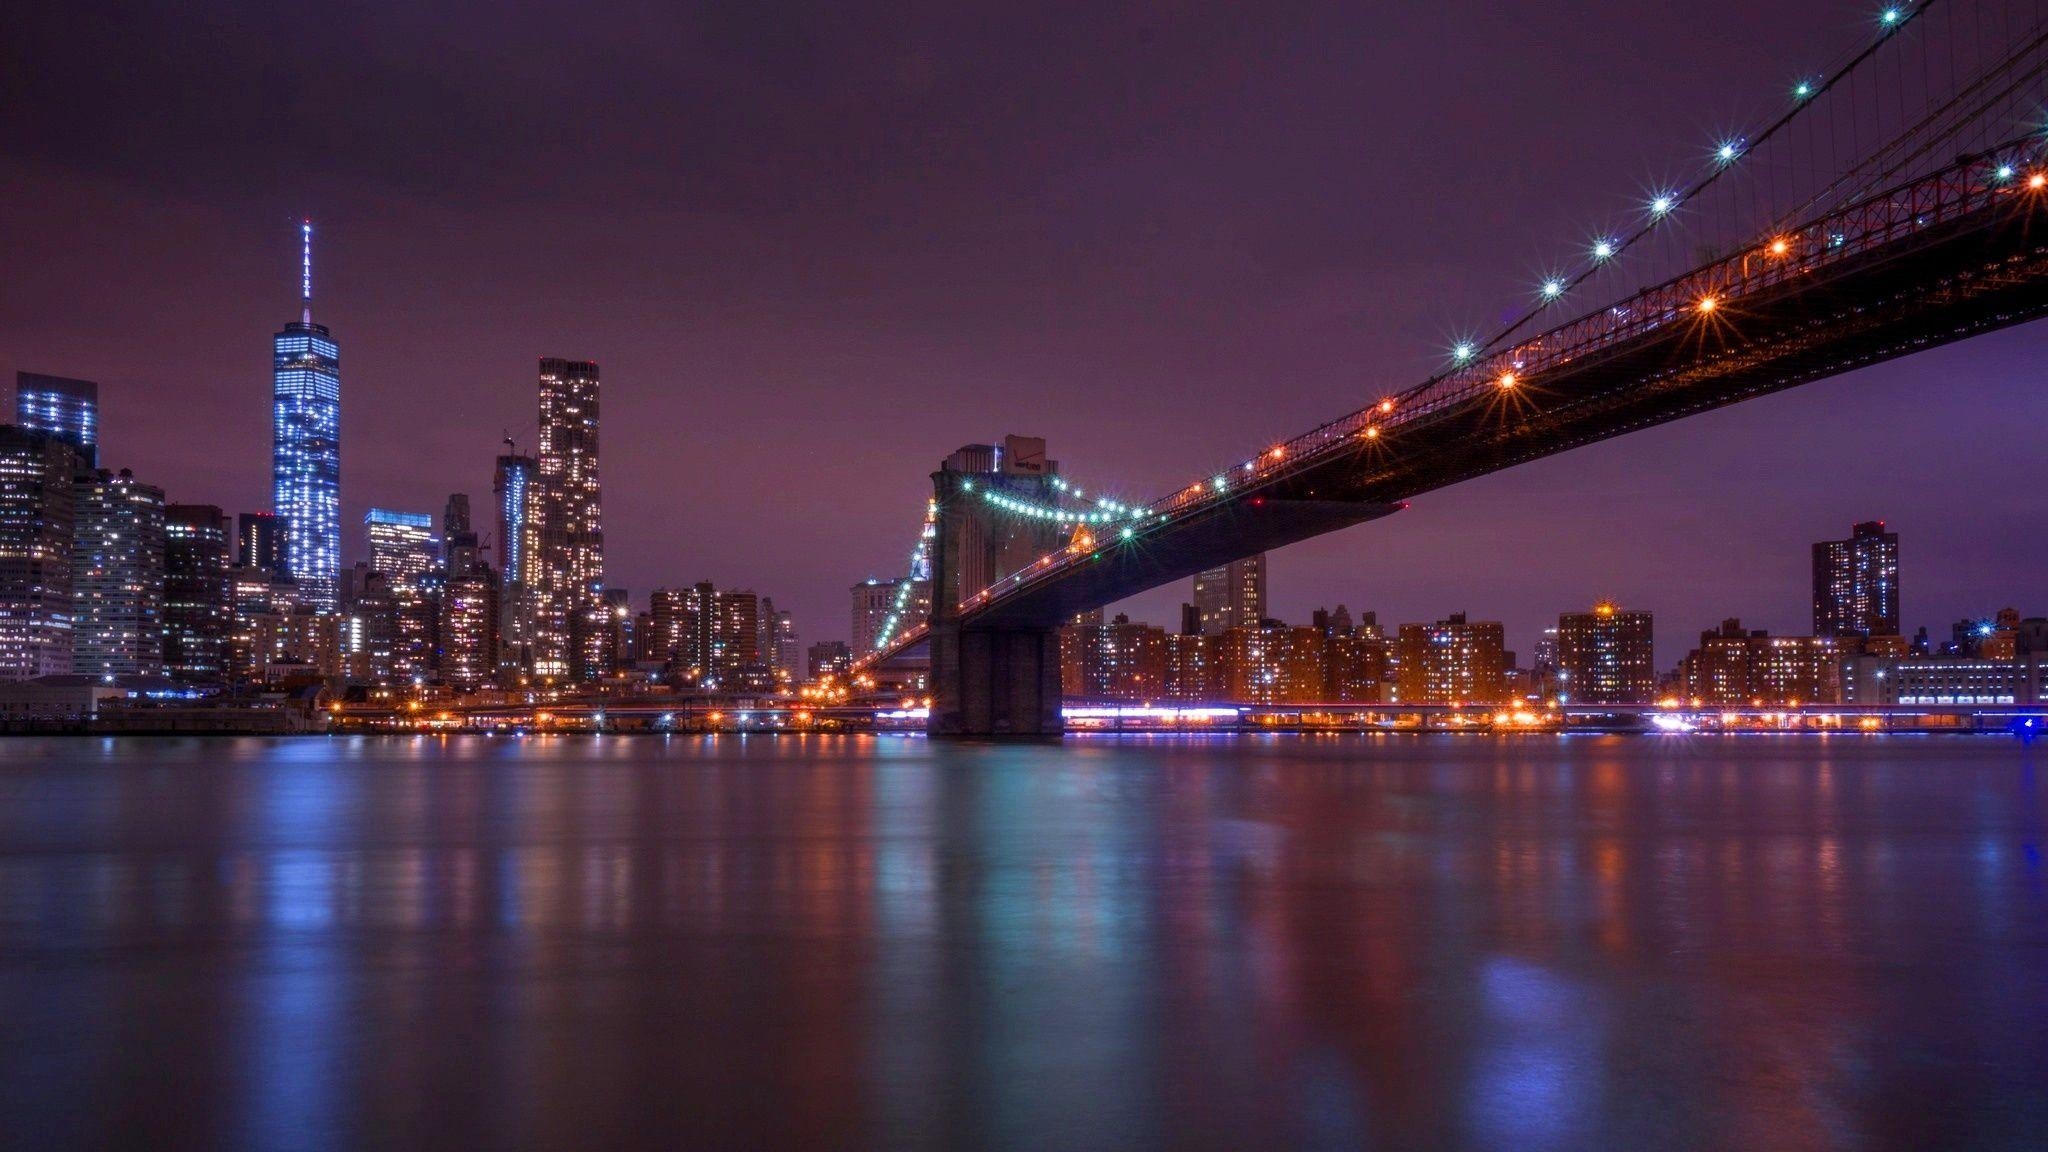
(1708, 304)
(1507, 380)
(1386, 405)
(1780, 246)
(1277, 453)
(2037, 180)
(1373, 432)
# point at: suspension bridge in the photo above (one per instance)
(1896, 201)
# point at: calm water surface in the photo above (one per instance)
(1293, 942)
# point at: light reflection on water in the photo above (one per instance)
(1527, 943)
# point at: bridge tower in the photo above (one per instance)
(992, 683)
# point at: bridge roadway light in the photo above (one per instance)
(1507, 380)
(2037, 180)
(1708, 303)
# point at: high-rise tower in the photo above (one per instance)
(1856, 583)
(568, 508)
(61, 407)
(305, 466)
(1232, 596)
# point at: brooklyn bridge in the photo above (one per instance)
(1895, 202)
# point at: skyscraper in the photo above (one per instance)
(117, 576)
(1605, 656)
(1232, 596)
(58, 406)
(259, 542)
(469, 627)
(305, 462)
(198, 551)
(402, 546)
(458, 537)
(37, 517)
(570, 557)
(672, 632)
(514, 484)
(1856, 583)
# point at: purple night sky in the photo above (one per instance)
(817, 248)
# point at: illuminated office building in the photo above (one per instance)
(37, 519)
(259, 542)
(403, 547)
(198, 554)
(830, 658)
(568, 507)
(254, 593)
(516, 479)
(62, 408)
(305, 465)
(1232, 596)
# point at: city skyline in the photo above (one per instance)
(773, 393)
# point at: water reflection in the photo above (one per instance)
(1168, 942)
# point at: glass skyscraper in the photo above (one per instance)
(403, 547)
(60, 407)
(305, 457)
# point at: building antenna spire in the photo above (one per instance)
(306, 271)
